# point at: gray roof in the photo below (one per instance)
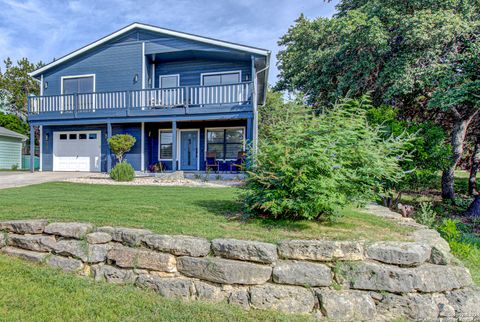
(12, 134)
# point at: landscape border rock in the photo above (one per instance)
(335, 280)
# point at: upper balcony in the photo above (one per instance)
(148, 102)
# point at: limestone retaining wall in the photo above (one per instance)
(338, 280)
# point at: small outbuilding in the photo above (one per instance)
(11, 144)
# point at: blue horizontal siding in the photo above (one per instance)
(190, 70)
(114, 67)
(160, 43)
(134, 155)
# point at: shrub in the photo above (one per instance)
(121, 144)
(464, 246)
(122, 171)
(426, 215)
(311, 165)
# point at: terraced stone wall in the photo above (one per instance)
(336, 280)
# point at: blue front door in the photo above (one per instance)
(188, 150)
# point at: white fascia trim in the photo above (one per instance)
(179, 34)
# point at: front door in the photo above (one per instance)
(189, 150)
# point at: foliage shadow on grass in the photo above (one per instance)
(232, 211)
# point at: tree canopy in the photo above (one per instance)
(407, 53)
(416, 55)
(17, 85)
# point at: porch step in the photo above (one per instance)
(214, 176)
(193, 175)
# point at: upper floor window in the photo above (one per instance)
(221, 78)
(169, 81)
(78, 84)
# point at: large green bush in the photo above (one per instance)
(310, 165)
(122, 171)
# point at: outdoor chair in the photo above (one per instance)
(211, 161)
(239, 164)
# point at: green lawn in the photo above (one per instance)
(208, 212)
(30, 292)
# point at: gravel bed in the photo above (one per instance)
(152, 181)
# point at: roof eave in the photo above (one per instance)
(253, 50)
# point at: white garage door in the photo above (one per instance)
(77, 151)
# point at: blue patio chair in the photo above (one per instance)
(239, 164)
(211, 161)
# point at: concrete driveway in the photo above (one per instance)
(11, 179)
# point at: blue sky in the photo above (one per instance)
(44, 29)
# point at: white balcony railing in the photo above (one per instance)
(157, 98)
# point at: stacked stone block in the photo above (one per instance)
(335, 280)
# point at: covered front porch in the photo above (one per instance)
(162, 145)
(206, 146)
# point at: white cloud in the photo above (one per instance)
(44, 29)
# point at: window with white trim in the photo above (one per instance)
(77, 85)
(165, 145)
(169, 81)
(226, 142)
(221, 79)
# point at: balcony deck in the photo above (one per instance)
(149, 102)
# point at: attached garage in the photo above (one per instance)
(11, 149)
(77, 151)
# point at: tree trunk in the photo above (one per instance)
(458, 137)
(472, 181)
(474, 208)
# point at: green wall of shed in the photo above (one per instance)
(10, 152)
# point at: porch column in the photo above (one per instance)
(32, 148)
(41, 147)
(109, 153)
(174, 145)
(249, 134)
(142, 147)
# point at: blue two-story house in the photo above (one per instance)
(182, 97)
